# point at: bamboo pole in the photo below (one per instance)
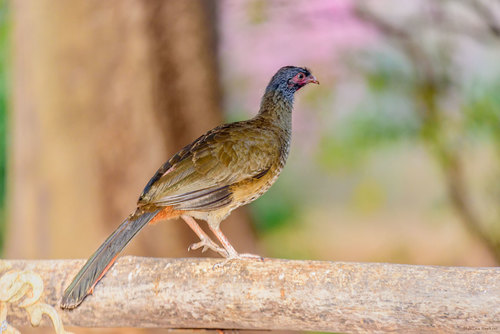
(271, 294)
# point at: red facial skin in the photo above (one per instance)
(301, 79)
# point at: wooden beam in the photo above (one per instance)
(273, 294)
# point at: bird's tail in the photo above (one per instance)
(103, 258)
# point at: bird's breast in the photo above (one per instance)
(251, 189)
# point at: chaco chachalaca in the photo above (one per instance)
(227, 167)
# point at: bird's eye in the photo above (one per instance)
(300, 76)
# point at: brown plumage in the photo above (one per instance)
(229, 166)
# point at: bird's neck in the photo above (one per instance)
(276, 108)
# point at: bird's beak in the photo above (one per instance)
(311, 79)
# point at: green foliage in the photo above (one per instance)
(482, 111)
(274, 209)
(378, 127)
(385, 116)
(385, 71)
(363, 131)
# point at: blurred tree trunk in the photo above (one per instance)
(104, 92)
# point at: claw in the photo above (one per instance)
(197, 245)
(250, 256)
(208, 244)
(238, 256)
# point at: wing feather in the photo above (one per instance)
(200, 176)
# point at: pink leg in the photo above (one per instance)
(205, 240)
(233, 254)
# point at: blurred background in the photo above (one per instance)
(395, 156)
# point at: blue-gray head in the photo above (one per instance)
(290, 79)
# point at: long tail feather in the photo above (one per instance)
(102, 259)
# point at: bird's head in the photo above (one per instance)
(290, 79)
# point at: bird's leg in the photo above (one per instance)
(205, 240)
(233, 254)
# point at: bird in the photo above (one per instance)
(225, 168)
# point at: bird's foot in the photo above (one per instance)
(238, 256)
(208, 244)
(250, 256)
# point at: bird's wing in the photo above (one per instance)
(199, 177)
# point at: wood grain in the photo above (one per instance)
(277, 294)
